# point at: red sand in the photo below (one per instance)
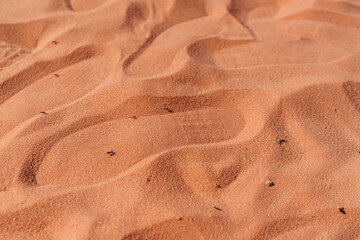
(163, 119)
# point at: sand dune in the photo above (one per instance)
(152, 119)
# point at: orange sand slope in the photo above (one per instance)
(163, 119)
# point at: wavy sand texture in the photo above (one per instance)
(154, 119)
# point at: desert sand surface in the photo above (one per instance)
(179, 119)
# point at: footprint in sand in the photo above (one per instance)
(10, 53)
(132, 142)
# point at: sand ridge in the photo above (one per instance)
(152, 119)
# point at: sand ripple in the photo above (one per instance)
(147, 119)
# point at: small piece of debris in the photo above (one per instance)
(334, 109)
(112, 153)
(219, 209)
(280, 141)
(342, 210)
(43, 112)
(57, 75)
(179, 219)
(148, 179)
(270, 183)
(217, 186)
(54, 42)
(170, 111)
(134, 117)
(244, 157)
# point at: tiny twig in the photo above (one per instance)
(217, 208)
(170, 111)
(57, 75)
(342, 210)
(112, 153)
(281, 141)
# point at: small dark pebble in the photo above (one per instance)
(179, 219)
(43, 112)
(54, 42)
(148, 179)
(134, 117)
(57, 75)
(217, 186)
(270, 183)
